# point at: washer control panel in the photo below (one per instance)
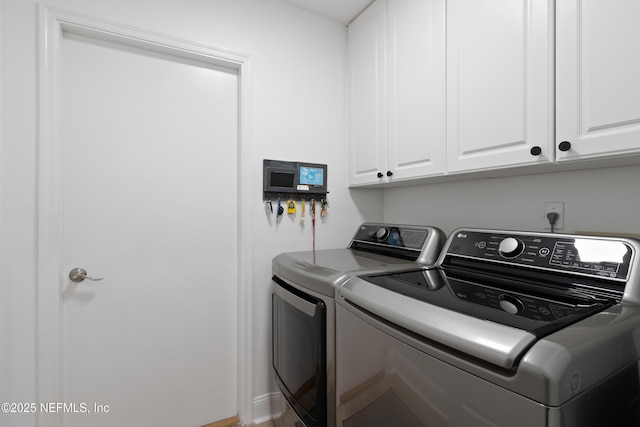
(587, 255)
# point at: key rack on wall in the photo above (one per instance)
(294, 180)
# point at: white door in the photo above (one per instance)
(148, 182)
(416, 88)
(499, 84)
(598, 90)
(367, 40)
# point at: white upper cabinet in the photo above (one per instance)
(500, 87)
(598, 78)
(417, 61)
(367, 51)
(445, 87)
(397, 91)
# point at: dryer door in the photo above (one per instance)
(299, 355)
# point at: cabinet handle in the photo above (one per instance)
(536, 151)
(389, 173)
(380, 175)
(564, 146)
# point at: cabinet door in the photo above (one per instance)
(367, 50)
(416, 42)
(598, 78)
(499, 83)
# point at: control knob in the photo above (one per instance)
(510, 304)
(382, 234)
(511, 247)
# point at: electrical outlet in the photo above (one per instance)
(557, 207)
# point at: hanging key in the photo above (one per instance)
(291, 207)
(280, 209)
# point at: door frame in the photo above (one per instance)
(49, 270)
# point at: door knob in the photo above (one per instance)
(79, 274)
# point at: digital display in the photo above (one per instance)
(311, 176)
(604, 257)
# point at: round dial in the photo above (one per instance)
(511, 304)
(382, 234)
(511, 247)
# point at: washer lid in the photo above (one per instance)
(516, 303)
(492, 342)
(327, 269)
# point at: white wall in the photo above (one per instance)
(298, 78)
(599, 200)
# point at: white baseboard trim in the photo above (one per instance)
(267, 407)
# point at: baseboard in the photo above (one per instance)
(266, 407)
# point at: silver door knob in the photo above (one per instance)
(79, 274)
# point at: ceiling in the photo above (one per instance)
(343, 11)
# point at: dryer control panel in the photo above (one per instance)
(392, 235)
(414, 242)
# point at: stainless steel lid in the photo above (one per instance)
(375, 247)
(330, 268)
